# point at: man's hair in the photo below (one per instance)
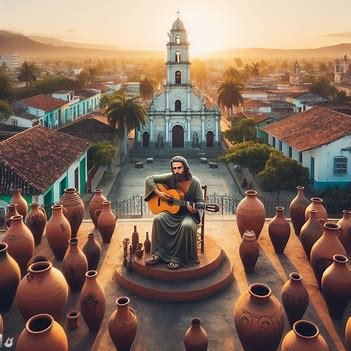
(188, 175)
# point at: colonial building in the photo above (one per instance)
(179, 116)
(341, 70)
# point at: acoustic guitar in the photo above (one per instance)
(157, 205)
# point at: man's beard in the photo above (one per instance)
(179, 176)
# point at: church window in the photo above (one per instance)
(177, 57)
(178, 77)
(177, 39)
(177, 106)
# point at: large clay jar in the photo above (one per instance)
(250, 213)
(195, 338)
(336, 286)
(345, 225)
(122, 325)
(295, 298)
(106, 220)
(20, 242)
(36, 221)
(324, 249)
(258, 318)
(279, 230)
(11, 211)
(310, 232)
(74, 265)
(74, 209)
(304, 337)
(249, 251)
(42, 290)
(9, 278)
(22, 206)
(95, 204)
(92, 251)
(92, 301)
(58, 232)
(297, 209)
(316, 204)
(42, 333)
(348, 334)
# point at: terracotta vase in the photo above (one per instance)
(135, 239)
(279, 230)
(42, 333)
(250, 213)
(92, 251)
(345, 225)
(20, 242)
(42, 290)
(74, 209)
(147, 243)
(195, 338)
(96, 203)
(106, 220)
(36, 221)
(9, 278)
(74, 265)
(92, 301)
(122, 325)
(324, 249)
(72, 318)
(297, 209)
(249, 251)
(11, 211)
(22, 206)
(258, 318)
(295, 298)
(336, 286)
(310, 232)
(35, 259)
(348, 334)
(58, 232)
(316, 204)
(304, 337)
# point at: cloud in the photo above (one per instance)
(339, 35)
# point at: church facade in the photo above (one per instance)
(179, 116)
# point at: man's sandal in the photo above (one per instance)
(173, 265)
(154, 259)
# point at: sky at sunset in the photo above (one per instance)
(211, 24)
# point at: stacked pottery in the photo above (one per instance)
(11, 211)
(95, 204)
(258, 318)
(345, 225)
(122, 325)
(42, 333)
(195, 338)
(250, 213)
(74, 209)
(36, 221)
(297, 209)
(106, 221)
(249, 251)
(92, 251)
(22, 206)
(316, 204)
(279, 230)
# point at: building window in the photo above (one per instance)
(300, 157)
(178, 77)
(177, 39)
(290, 151)
(273, 141)
(14, 122)
(177, 56)
(177, 106)
(340, 165)
(280, 145)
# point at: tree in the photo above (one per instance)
(6, 89)
(229, 95)
(146, 89)
(255, 70)
(5, 111)
(232, 73)
(322, 87)
(28, 73)
(243, 130)
(102, 154)
(199, 72)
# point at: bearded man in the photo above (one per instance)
(174, 235)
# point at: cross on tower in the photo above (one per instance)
(178, 14)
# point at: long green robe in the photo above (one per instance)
(174, 235)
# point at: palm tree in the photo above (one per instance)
(229, 95)
(255, 70)
(28, 73)
(5, 110)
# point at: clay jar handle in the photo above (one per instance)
(97, 212)
(42, 209)
(321, 221)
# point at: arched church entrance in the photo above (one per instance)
(178, 136)
(209, 139)
(146, 139)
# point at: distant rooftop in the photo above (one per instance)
(43, 102)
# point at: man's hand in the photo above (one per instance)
(191, 208)
(162, 195)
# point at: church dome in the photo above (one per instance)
(178, 25)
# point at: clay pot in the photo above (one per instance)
(58, 232)
(42, 333)
(9, 278)
(74, 209)
(295, 298)
(122, 325)
(195, 338)
(345, 225)
(310, 232)
(249, 251)
(42, 290)
(304, 337)
(324, 249)
(92, 301)
(250, 213)
(348, 334)
(72, 318)
(20, 242)
(106, 220)
(11, 211)
(258, 318)
(316, 204)
(297, 209)
(35, 259)
(279, 230)
(336, 286)
(92, 251)
(96, 203)
(147, 243)
(135, 239)
(36, 221)
(22, 206)
(74, 265)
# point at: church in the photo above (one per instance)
(179, 116)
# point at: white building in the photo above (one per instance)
(12, 61)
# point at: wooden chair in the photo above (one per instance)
(201, 229)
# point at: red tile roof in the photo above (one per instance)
(311, 129)
(43, 102)
(255, 104)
